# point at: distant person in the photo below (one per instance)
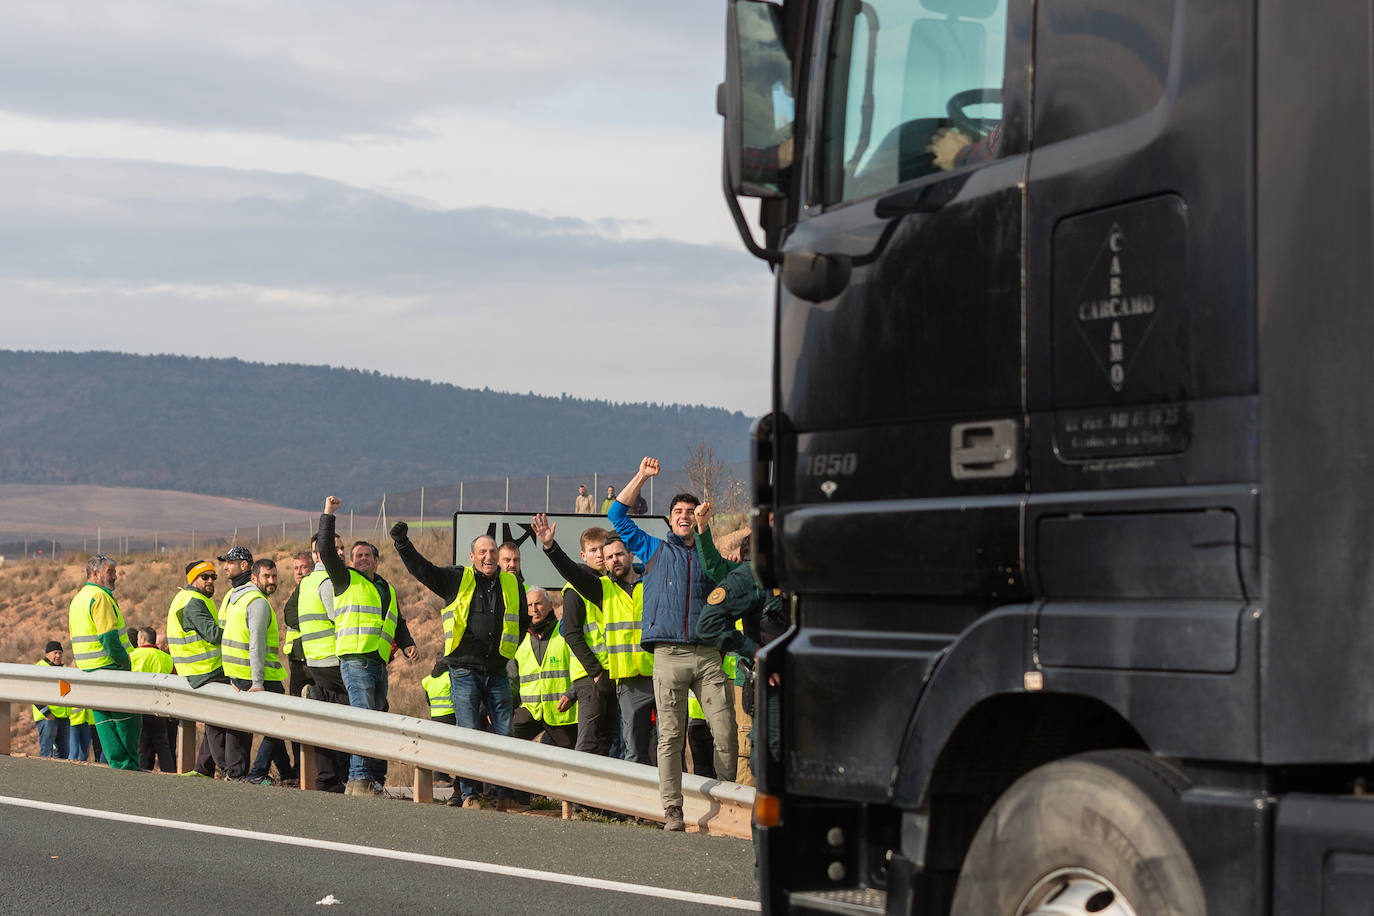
(193, 636)
(100, 643)
(484, 614)
(153, 745)
(547, 706)
(52, 722)
(610, 498)
(617, 596)
(250, 656)
(675, 591)
(584, 504)
(366, 619)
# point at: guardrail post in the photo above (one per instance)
(4, 728)
(305, 765)
(186, 746)
(424, 785)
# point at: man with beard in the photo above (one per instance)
(617, 599)
(193, 638)
(251, 659)
(483, 618)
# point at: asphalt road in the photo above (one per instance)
(86, 839)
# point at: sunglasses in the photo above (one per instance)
(211, 576)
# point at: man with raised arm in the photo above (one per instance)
(584, 630)
(675, 590)
(363, 610)
(484, 616)
(613, 598)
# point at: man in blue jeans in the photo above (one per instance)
(485, 618)
(365, 616)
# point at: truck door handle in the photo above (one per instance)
(983, 449)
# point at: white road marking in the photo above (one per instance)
(621, 887)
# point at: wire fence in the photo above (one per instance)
(427, 506)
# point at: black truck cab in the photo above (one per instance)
(1067, 468)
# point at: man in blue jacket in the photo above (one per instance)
(675, 590)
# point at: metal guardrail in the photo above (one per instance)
(714, 806)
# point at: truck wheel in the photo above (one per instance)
(1093, 834)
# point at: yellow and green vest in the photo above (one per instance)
(455, 616)
(440, 692)
(234, 645)
(86, 649)
(359, 617)
(151, 660)
(191, 655)
(317, 630)
(59, 712)
(622, 616)
(543, 684)
(593, 632)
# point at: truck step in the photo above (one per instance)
(849, 901)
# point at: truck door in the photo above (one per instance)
(901, 397)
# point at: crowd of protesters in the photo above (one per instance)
(640, 655)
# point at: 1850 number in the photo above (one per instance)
(831, 464)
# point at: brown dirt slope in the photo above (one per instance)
(34, 596)
(65, 511)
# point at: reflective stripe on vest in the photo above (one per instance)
(87, 651)
(191, 655)
(59, 712)
(592, 632)
(440, 692)
(543, 684)
(623, 615)
(317, 630)
(455, 616)
(234, 646)
(358, 617)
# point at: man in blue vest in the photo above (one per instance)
(675, 591)
(484, 619)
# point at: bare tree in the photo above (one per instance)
(709, 479)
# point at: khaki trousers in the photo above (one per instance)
(679, 669)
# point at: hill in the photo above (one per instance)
(286, 434)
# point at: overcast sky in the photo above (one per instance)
(520, 195)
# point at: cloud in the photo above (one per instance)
(342, 69)
(203, 261)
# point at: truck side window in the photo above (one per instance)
(914, 88)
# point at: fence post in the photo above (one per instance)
(546, 494)
(5, 728)
(154, 542)
(460, 496)
(596, 487)
(258, 542)
(422, 508)
(283, 531)
(350, 523)
(507, 494)
(651, 496)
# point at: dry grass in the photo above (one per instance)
(34, 596)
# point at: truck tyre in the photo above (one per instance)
(1093, 834)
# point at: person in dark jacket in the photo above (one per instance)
(484, 620)
(675, 590)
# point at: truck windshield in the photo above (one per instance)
(913, 89)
